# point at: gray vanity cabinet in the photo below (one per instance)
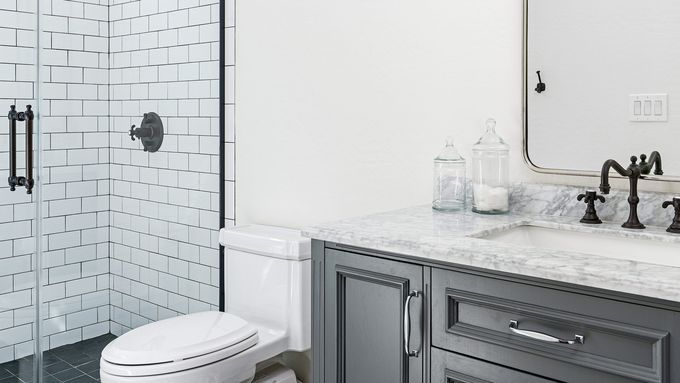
(364, 302)
(473, 326)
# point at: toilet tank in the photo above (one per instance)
(268, 279)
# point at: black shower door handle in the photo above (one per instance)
(13, 179)
(12, 116)
(28, 181)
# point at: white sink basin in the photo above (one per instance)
(611, 246)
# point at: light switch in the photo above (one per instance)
(648, 107)
(658, 107)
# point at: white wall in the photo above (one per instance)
(341, 105)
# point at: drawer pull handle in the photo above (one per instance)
(514, 327)
(407, 325)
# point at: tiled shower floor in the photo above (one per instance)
(73, 363)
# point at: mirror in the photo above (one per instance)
(609, 83)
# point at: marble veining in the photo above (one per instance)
(452, 238)
(560, 200)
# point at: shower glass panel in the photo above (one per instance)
(20, 191)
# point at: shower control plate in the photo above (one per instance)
(150, 132)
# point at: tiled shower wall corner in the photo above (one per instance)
(76, 183)
(164, 205)
(229, 108)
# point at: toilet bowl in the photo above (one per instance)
(268, 298)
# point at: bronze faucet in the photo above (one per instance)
(634, 172)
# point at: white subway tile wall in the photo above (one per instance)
(164, 58)
(130, 236)
(229, 107)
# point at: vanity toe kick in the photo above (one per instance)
(556, 334)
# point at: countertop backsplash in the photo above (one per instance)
(560, 200)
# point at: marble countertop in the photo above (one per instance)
(453, 238)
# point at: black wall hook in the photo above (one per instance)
(540, 87)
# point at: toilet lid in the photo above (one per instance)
(179, 338)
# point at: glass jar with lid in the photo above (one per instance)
(449, 186)
(490, 173)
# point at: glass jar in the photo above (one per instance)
(449, 179)
(490, 173)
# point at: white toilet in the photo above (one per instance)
(268, 301)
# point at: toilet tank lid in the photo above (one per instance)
(278, 242)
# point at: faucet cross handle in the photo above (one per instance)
(132, 132)
(675, 203)
(675, 226)
(590, 197)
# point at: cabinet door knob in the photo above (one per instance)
(407, 325)
(514, 327)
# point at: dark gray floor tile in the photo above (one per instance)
(12, 379)
(12, 366)
(75, 358)
(4, 373)
(66, 375)
(82, 379)
(57, 367)
(49, 358)
(89, 367)
(50, 379)
(72, 363)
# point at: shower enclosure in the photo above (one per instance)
(21, 207)
(97, 235)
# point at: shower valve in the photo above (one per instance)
(150, 133)
(140, 132)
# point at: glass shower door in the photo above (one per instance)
(20, 192)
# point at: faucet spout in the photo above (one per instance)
(605, 188)
(654, 162)
(634, 172)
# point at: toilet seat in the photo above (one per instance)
(178, 344)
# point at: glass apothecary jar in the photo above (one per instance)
(449, 184)
(490, 173)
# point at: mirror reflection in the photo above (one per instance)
(602, 82)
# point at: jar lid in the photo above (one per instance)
(449, 153)
(491, 140)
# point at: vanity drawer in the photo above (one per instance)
(621, 342)
(448, 367)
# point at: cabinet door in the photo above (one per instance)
(365, 306)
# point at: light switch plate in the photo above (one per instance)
(648, 107)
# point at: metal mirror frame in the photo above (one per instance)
(525, 119)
